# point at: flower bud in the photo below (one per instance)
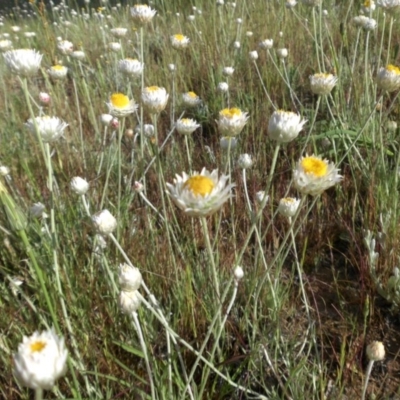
(129, 301)
(238, 273)
(129, 278)
(245, 161)
(104, 222)
(79, 185)
(376, 351)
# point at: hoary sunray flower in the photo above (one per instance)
(129, 301)
(58, 71)
(130, 67)
(253, 55)
(313, 175)
(41, 360)
(142, 13)
(23, 62)
(119, 32)
(388, 78)
(115, 46)
(266, 44)
(78, 55)
(79, 185)
(290, 3)
(282, 53)
(285, 126)
(368, 24)
(191, 99)
(288, 206)
(322, 84)
(245, 161)
(369, 5)
(389, 5)
(5, 45)
(223, 87)
(65, 47)
(228, 71)
(231, 121)
(129, 277)
(179, 41)
(120, 105)
(49, 128)
(154, 99)
(104, 222)
(186, 126)
(200, 194)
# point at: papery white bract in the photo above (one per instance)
(285, 126)
(23, 62)
(49, 128)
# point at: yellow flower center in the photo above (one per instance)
(322, 75)
(141, 6)
(393, 68)
(231, 112)
(58, 67)
(315, 166)
(37, 346)
(185, 120)
(119, 100)
(179, 37)
(199, 185)
(288, 200)
(367, 3)
(193, 95)
(152, 88)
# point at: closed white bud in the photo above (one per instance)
(282, 53)
(129, 301)
(376, 351)
(262, 197)
(253, 55)
(4, 171)
(79, 185)
(129, 277)
(245, 161)
(223, 87)
(288, 206)
(104, 222)
(238, 273)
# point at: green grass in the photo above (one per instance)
(257, 338)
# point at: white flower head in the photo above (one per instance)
(129, 277)
(236, 44)
(115, 46)
(154, 99)
(186, 126)
(4, 170)
(78, 55)
(253, 55)
(38, 210)
(106, 119)
(179, 41)
(266, 44)
(282, 53)
(227, 142)
(142, 13)
(148, 130)
(49, 128)
(285, 126)
(288, 206)
(231, 121)
(129, 301)
(238, 273)
(119, 32)
(223, 87)
(58, 71)
(172, 67)
(245, 161)
(23, 62)
(375, 351)
(121, 106)
(366, 23)
(228, 71)
(130, 67)
(368, 6)
(200, 194)
(313, 175)
(390, 6)
(290, 3)
(79, 185)
(65, 47)
(262, 197)
(322, 84)
(104, 222)
(388, 78)
(5, 45)
(41, 360)
(191, 99)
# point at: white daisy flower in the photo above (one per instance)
(119, 32)
(58, 71)
(231, 121)
(79, 185)
(285, 126)
(389, 5)
(322, 84)
(228, 71)
(186, 126)
(191, 99)
(104, 222)
(49, 128)
(314, 175)
(266, 44)
(115, 46)
(368, 24)
(288, 206)
(155, 99)
(130, 67)
(41, 360)
(23, 62)
(200, 194)
(179, 41)
(388, 78)
(120, 106)
(129, 277)
(142, 13)
(65, 47)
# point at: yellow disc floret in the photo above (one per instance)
(37, 346)
(179, 37)
(58, 67)
(193, 95)
(231, 112)
(315, 166)
(199, 185)
(119, 100)
(393, 68)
